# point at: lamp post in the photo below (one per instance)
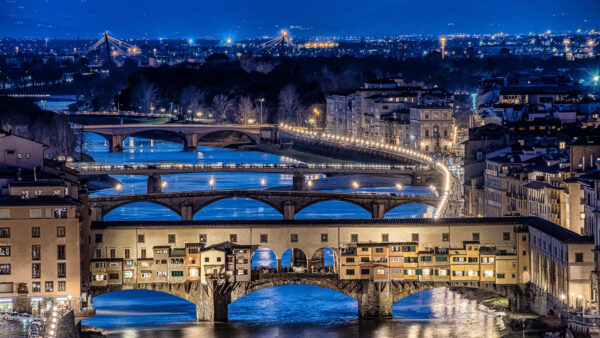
(163, 185)
(355, 186)
(261, 100)
(211, 183)
(263, 183)
(119, 187)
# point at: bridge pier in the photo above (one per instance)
(187, 211)
(377, 210)
(116, 144)
(289, 210)
(375, 300)
(154, 184)
(96, 213)
(191, 142)
(298, 182)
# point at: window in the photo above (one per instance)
(354, 238)
(127, 253)
(524, 238)
(49, 286)
(62, 270)
(143, 253)
(524, 252)
(141, 238)
(206, 259)
(324, 237)
(36, 287)
(35, 213)
(264, 238)
(62, 286)
(4, 232)
(579, 257)
(396, 271)
(176, 273)
(364, 259)
(128, 274)
(171, 238)
(4, 269)
(487, 260)
(35, 252)
(500, 276)
(35, 232)
(414, 237)
(349, 259)
(410, 259)
(472, 259)
(218, 259)
(379, 250)
(294, 238)
(4, 250)
(99, 265)
(98, 238)
(233, 238)
(98, 253)
(161, 274)
(441, 258)
(410, 272)
(458, 259)
(409, 248)
(506, 236)
(350, 272)
(60, 212)
(445, 237)
(60, 231)
(425, 258)
(472, 273)
(36, 270)
(476, 236)
(203, 238)
(385, 237)
(4, 213)
(364, 271)
(61, 252)
(458, 273)
(381, 271)
(112, 253)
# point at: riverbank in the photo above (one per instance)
(532, 324)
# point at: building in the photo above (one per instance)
(19, 152)
(432, 128)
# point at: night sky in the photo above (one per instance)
(249, 18)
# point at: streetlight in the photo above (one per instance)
(399, 186)
(355, 185)
(309, 184)
(163, 185)
(119, 187)
(261, 100)
(211, 183)
(263, 182)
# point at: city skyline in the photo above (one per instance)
(239, 20)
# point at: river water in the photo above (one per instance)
(284, 311)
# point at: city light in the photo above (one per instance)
(211, 183)
(399, 186)
(263, 182)
(163, 184)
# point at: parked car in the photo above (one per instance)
(12, 316)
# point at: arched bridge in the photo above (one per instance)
(375, 299)
(190, 134)
(288, 203)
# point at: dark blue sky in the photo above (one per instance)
(247, 18)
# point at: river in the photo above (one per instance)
(284, 311)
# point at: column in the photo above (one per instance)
(191, 142)
(116, 144)
(378, 210)
(187, 211)
(278, 265)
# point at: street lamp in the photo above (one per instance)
(309, 184)
(261, 100)
(399, 186)
(211, 183)
(119, 187)
(163, 185)
(355, 185)
(263, 182)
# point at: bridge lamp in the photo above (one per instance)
(263, 182)
(163, 184)
(309, 184)
(399, 186)
(119, 187)
(211, 183)
(355, 185)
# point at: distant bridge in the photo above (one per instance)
(190, 134)
(288, 203)
(419, 174)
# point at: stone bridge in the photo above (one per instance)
(190, 134)
(288, 203)
(375, 299)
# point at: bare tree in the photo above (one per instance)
(191, 100)
(246, 110)
(222, 105)
(289, 105)
(145, 96)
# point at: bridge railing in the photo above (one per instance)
(82, 166)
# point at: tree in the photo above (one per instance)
(222, 106)
(145, 96)
(191, 100)
(246, 110)
(289, 105)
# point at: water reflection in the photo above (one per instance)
(294, 311)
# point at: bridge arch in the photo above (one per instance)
(254, 139)
(324, 260)
(298, 260)
(112, 207)
(264, 259)
(327, 283)
(400, 211)
(199, 207)
(332, 199)
(156, 133)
